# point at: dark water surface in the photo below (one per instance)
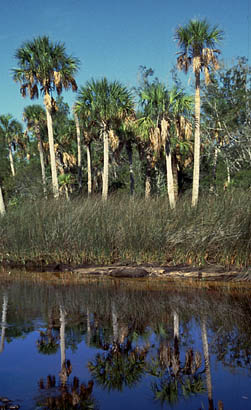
(108, 346)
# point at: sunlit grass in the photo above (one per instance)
(125, 230)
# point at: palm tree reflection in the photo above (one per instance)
(123, 363)
(175, 380)
(48, 343)
(72, 395)
(4, 324)
(65, 394)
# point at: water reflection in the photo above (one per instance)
(104, 346)
(3, 327)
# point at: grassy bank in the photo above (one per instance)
(90, 231)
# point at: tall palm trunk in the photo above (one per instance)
(41, 156)
(207, 363)
(147, 186)
(129, 153)
(175, 178)
(88, 326)
(4, 315)
(106, 165)
(196, 165)
(148, 176)
(89, 168)
(52, 153)
(176, 325)
(169, 177)
(213, 184)
(176, 335)
(2, 206)
(169, 172)
(228, 174)
(79, 150)
(115, 327)
(11, 161)
(63, 373)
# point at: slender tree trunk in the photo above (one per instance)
(88, 325)
(11, 161)
(115, 323)
(228, 175)
(129, 153)
(175, 178)
(207, 363)
(79, 150)
(148, 187)
(66, 189)
(63, 373)
(169, 172)
(176, 335)
(4, 316)
(106, 165)
(196, 165)
(2, 206)
(227, 182)
(52, 154)
(169, 177)
(176, 325)
(89, 168)
(41, 155)
(213, 185)
(148, 177)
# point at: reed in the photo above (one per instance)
(129, 230)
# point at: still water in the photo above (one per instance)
(107, 345)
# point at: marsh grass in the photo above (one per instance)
(129, 230)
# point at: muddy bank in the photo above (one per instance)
(125, 271)
(210, 273)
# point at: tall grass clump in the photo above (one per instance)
(129, 230)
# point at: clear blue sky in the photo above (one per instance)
(113, 38)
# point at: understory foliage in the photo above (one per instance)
(129, 230)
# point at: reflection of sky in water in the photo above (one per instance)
(22, 366)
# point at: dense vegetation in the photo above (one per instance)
(141, 151)
(87, 230)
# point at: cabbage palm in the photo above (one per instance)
(162, 109)
(85, 124)
(197, 42)
(11, 130)
(108, 104)
(155, 102)
(45, 65)
(35, 118)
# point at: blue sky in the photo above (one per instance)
(113, 38)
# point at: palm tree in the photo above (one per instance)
(197, 41)
(108, 104)
(162, 109)
(86, 124)
(46, 65)
(155, 102)
(11, 130)
(35, 117)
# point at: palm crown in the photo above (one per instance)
(197, 41)
(42, 63)
(105, 102)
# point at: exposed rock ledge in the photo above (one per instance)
(212, 273)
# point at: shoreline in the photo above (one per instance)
(167, 273)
